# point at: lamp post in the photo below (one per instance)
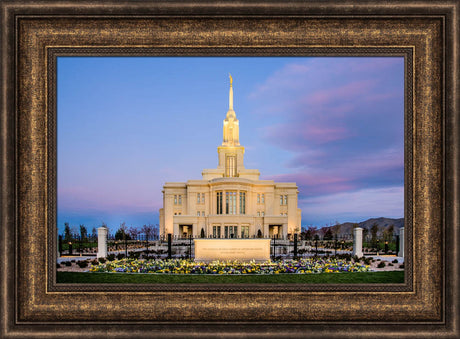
(316, 245)
(126, 246)
(335, 245)
(295, 245)
(60, 245)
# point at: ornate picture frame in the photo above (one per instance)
(33, 36)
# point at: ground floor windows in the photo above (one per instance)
(216, 231)
(229, 231)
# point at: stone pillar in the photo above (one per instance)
(102, 242)
(401, 242)
(358, 242)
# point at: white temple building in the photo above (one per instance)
(230, 201)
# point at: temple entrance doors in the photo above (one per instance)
(275, 231)
(230, 231)
(185, 231)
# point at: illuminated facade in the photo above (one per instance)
(230, 201)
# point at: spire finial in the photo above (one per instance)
(230, 94)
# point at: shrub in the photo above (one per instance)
(401, 266)
(379, 259)
(345, 256)
(82, 263)
(381, 264)
(102, 260)
(73, 260)
(120, 256)
(111, 257)
(58, 266)
(94, 262)
(395, 261)
(67, 263)
(390, 264)
(134, 255)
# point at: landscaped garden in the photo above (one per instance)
(346, 269)
(178, 266)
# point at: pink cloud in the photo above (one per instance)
(382, 96)
(297, 135)
(315, 183)
(287, 77)
(352, 89)
(323, 134)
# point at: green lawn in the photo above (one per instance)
(322, 278)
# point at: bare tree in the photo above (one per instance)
(148, 231)
(336, 229)
(388, 233)
(133, 232)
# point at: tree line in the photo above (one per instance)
(330, 233)
(123, 232)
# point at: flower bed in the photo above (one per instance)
(176, 266)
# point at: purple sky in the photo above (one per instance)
(335, 126)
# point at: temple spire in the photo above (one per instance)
(230, 95)
(231, 124)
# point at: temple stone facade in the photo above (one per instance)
(230, 201)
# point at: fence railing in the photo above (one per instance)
(184, 246)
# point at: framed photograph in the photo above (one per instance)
(39, 45)
(330, 147)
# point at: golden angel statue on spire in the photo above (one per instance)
(231, 79)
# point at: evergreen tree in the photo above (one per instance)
(83, 232)
(67, 235)
(122, 234)
(374, 231)
(328, 235)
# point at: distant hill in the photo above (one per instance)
(382, 223)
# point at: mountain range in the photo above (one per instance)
(382, 223)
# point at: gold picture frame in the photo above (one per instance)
(33, 35)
